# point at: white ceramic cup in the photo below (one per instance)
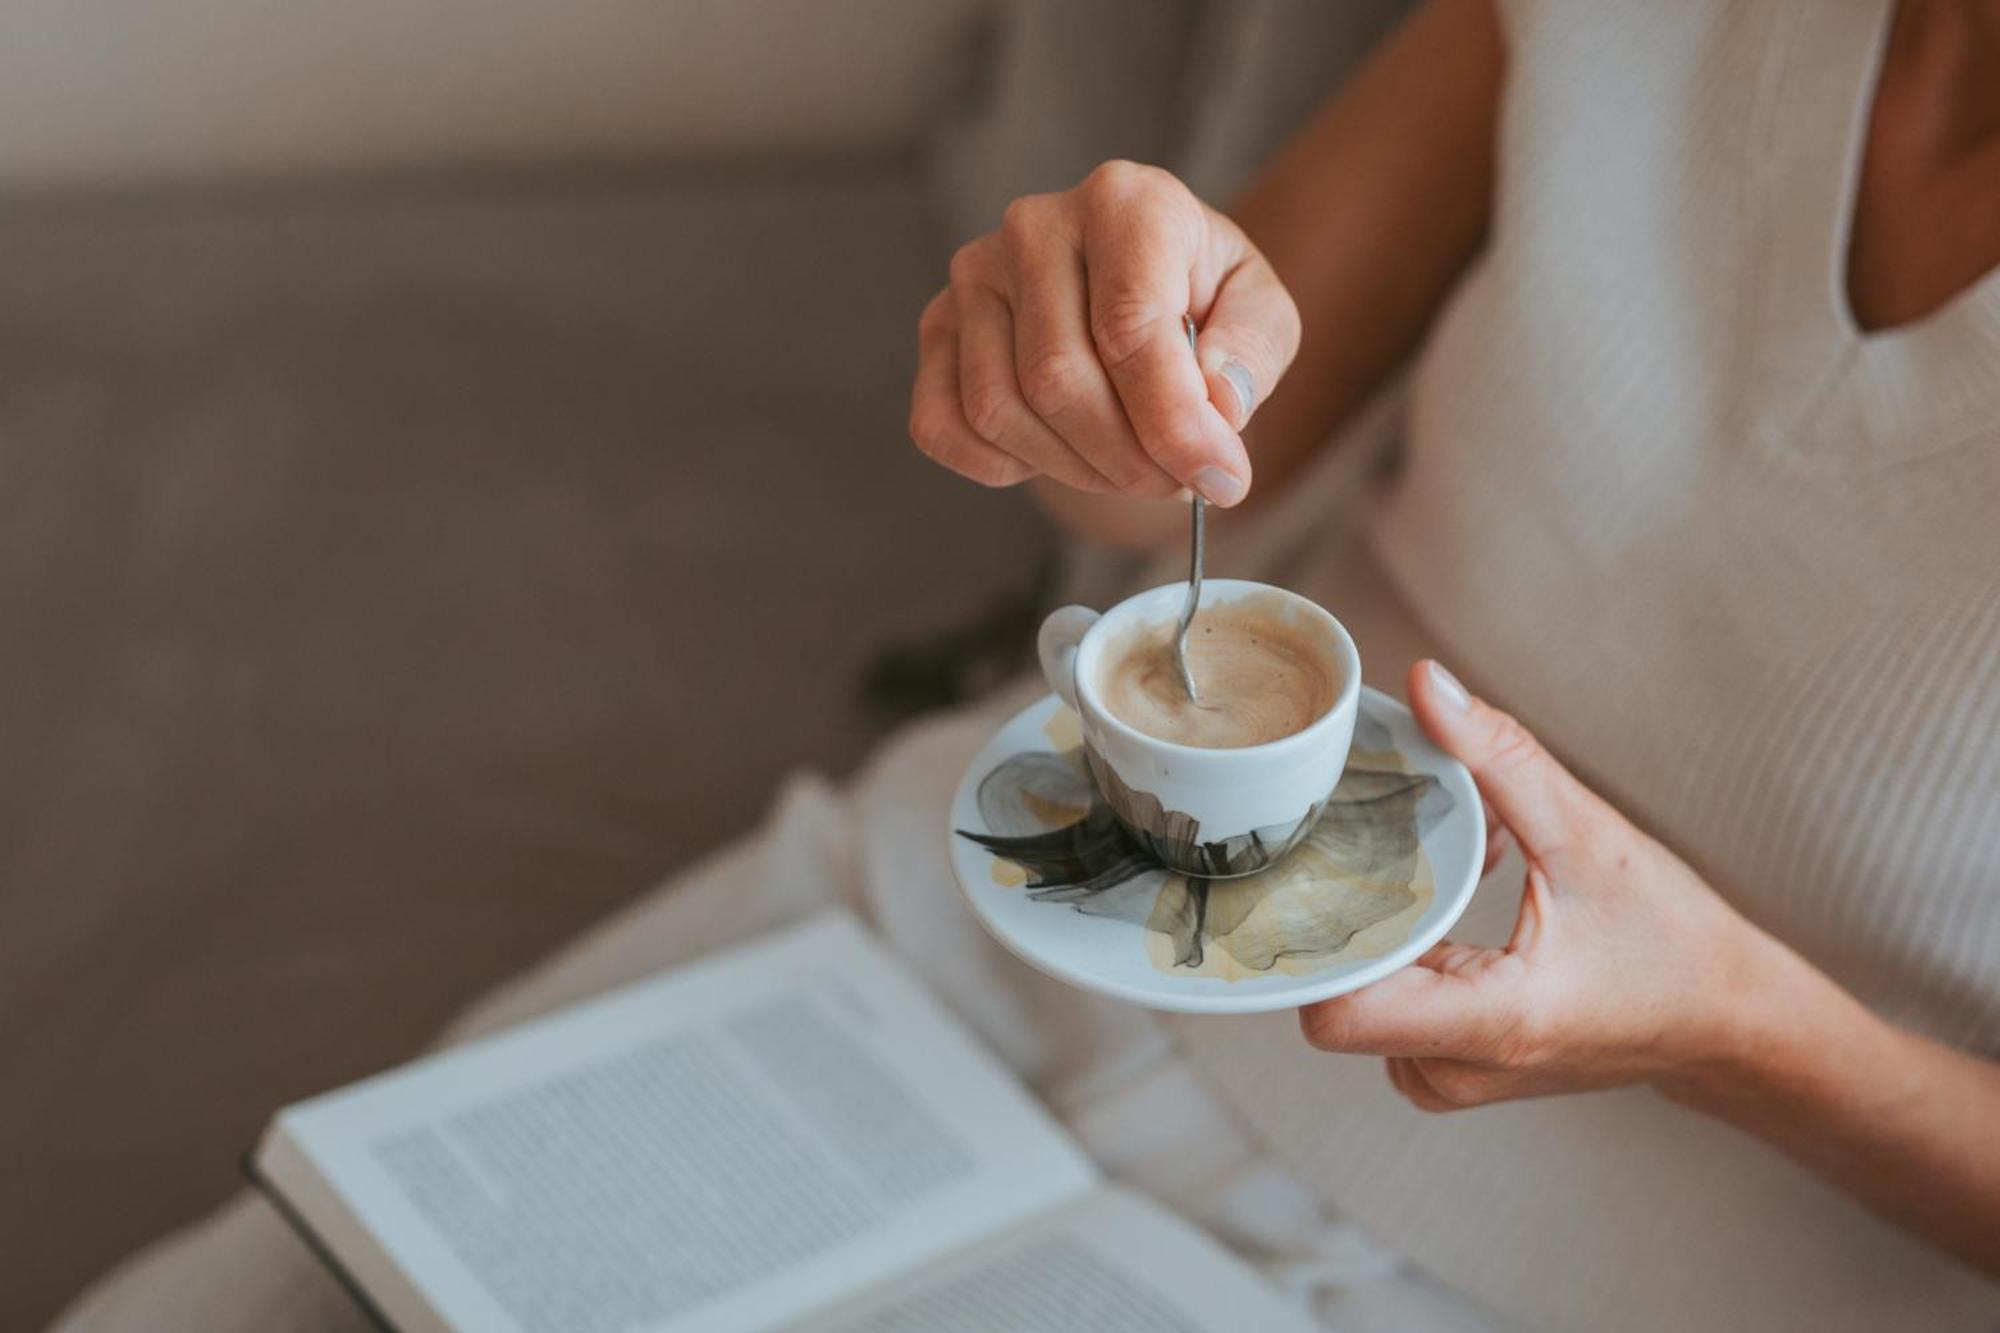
(1217, 813)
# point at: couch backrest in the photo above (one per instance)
(121, 91)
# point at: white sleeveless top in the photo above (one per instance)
(1736, 558)
(1739, 563)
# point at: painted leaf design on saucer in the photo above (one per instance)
(1361, 865)
(1173, 837)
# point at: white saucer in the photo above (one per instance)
(1383, 876)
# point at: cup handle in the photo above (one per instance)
(1056, 645)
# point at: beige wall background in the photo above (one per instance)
(130, 91)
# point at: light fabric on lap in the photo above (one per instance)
(1108, 1069)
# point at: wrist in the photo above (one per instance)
(1781, 1039)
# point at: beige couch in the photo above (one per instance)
(126, 91)
(451, 464)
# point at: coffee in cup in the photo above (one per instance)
(1260, 675)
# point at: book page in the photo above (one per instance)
(1112, 1262)
(726, 1147)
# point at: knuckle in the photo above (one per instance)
(1015, 216)
(1132, 470)
(996, 473)
(1268, 345)
(1054, 383)
(1023, 218)
(1110, 176)
(1291, 325)
(1259, 353)
(927, 429)
(1132, 476)
(1513, 747)
(1121, 178)
(1177, 453)
(1120, 326)
(937, 314)
(968, 263)
(1122, 194)
(1276, 336)
(1457, 1086)
(1425, 1098)
(1325, 1027)
(989, 410)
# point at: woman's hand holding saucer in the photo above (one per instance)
(1623, 967)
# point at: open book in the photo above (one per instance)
(790, 1136)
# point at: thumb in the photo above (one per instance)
(1534, 795)
(1248, 340)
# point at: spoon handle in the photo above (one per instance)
(1198, 509)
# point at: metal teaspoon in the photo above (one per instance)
(1198, 508)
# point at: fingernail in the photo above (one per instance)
(1218, 487)
(1240, 380)
(1449, 689)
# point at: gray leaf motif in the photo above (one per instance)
(1358, 866)
(1173, 837)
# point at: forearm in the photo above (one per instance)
(1369, 217)
(1909, 1127)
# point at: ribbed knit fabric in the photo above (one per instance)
(1737, 562)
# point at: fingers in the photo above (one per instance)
(1060, 376)
(1143, 237)
(1536, 797)
(1407, 1078)
(1248, 340)
(937, 423)
(1457, 959)
(1457, 1002)
(991, 397)
(1449, 1085)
